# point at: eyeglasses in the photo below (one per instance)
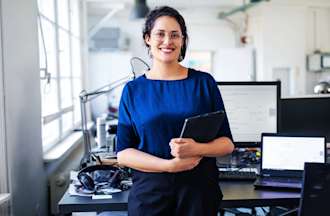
(160, 35)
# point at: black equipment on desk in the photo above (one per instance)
(240, 158)
(91, 175)
(315, 194)
(316, 191)
(308, 115)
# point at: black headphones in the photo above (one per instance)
(86, 179)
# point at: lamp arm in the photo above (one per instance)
(110, 88)
(89, 96)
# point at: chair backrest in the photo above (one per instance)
(316, 190)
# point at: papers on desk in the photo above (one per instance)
(96, 197)
(73, 191)
(76, 189)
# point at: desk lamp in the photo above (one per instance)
(85, 97)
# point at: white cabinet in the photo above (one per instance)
(234, 64)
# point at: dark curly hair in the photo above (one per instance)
(171, 12)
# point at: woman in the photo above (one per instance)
(171, 175)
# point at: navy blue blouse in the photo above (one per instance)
(152, 112)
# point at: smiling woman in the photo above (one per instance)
(165, 46)
(171, 175)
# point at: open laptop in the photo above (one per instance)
(283, 158)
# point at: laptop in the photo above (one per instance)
(283, 158)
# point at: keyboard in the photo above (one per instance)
(246, 174)
(280, 182)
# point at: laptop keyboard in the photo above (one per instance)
(238, 174)
(281, 182)
(284, 180)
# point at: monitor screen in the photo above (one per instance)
(290, 153)
(309, 115)
(252, 109)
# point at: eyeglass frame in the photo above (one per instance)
(174, 35)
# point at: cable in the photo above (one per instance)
(47, 75)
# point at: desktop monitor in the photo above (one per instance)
(252, 109)
(307, 115)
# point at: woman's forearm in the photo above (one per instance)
(218, 147)
(142, 161)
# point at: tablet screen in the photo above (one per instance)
(203, 128)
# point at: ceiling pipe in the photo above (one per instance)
(242, 8)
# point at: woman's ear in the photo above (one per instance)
(147, 40)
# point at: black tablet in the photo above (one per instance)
(203, 128)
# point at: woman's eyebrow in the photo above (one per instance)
(162, 30)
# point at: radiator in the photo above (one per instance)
(4, 205)
(59, 179)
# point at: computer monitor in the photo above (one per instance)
(252, 109)
(306, 115)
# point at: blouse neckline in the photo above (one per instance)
(159, 80)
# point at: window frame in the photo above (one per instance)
(56, 76)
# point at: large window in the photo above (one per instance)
(60, 56)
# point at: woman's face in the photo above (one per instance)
(165, 40)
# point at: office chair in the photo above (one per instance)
(315, 193)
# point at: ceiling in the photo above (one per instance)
(101, 7)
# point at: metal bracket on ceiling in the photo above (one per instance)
(242, 8)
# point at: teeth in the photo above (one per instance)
(166, 50)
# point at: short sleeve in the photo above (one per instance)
(126, 133)
(219, 105)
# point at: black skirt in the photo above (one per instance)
(192, 193)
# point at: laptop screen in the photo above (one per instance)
(290, 153)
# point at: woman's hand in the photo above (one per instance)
(184, 147)
(183, 164)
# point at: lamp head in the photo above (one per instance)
(322, 88)
(140, 9)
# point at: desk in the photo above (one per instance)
(236, 194)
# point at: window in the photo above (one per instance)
(59, 51)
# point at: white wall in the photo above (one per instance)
(204, 34)
(27, 179)
(280, 32)
(285, 34)
(110, 67)
(318, 38)
(282, 43)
